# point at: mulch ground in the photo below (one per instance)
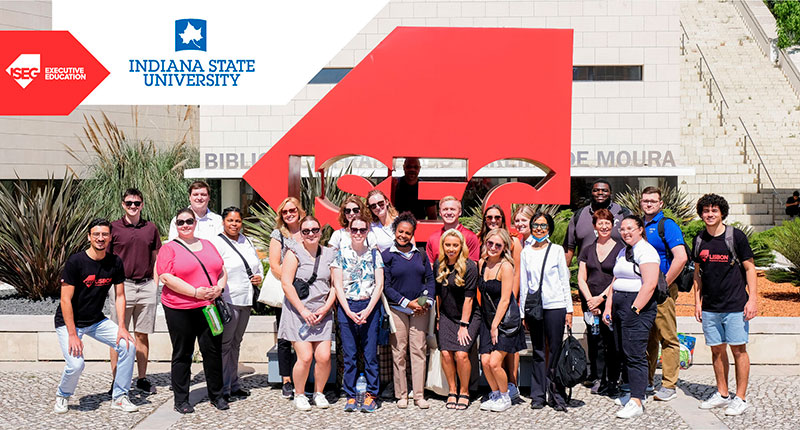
(774, 300)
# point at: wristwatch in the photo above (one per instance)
(463, 324)
(604, 297)
(635, 309)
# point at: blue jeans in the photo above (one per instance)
(105, 332)
(359, 338)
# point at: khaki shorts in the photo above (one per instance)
(141, 301)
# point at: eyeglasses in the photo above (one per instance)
(379, 204)
(651, 202)
(494, 245)
(181, 222)
(130, 203)
(493, 217)
(310, 231)
(289, 211)
(348, 211)
(543, 226)
(100, 234)
(359, 230)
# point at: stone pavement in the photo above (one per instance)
(28, 394)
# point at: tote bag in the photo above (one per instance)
(436, 381)
(271, 291)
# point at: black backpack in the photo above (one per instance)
(571, 368)
(685, 279)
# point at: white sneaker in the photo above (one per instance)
(736, 407)
(502, 403)
(62, 405)
(630, 410)
(301, 403)
(623, 399)
(320, 401)
(124, 404)
(489, 404)
(716, 401)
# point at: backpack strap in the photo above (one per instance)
(729, 243)
(662, 234)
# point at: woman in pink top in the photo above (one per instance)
(187, 291)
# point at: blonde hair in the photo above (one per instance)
(461, 262)
(506, 238)
(389, 206)
(525, 210)
(279, 224)
(446, 199)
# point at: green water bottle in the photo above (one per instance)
(423, 299)
(214, 321)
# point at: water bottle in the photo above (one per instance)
(361, 390)
(608, 323)
(304, 330)
(423, 299)
(596, 325)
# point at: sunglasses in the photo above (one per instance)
(380, 204)
(494, 217)
(130, 203)
(310, 231)
(359, 230)
(289, 211)
(348, 211)
(494, 245)
(181, 222)
(543, 226)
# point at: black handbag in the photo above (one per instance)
(224, 311)
(533, 302)
(257, 306)
(302, 287)
(511, 322)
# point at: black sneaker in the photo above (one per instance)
(184, 408)
(241, 393)
(144, 385)
(287, 391)
(221, 404)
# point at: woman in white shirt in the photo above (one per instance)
(383, 214)
(546, 301)
(632, 308)
(244, 270)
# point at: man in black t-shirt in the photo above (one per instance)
(724, 275)
(85, 282)
(405, 193)
(793, 204)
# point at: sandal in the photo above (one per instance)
(462, 406)
(451, 405)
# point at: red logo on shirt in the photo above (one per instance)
(707, 256)
(89, 281)
(92, 280)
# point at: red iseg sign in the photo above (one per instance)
(478, 94)
(45, 73)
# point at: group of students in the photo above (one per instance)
(483, 290)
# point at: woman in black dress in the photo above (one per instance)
(458, 316)
(495, 284)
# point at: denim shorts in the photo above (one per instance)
(725, 327)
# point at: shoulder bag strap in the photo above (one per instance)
(541, 275)
(180, 242)
(246, 266)
(662, 234)
(316, 266)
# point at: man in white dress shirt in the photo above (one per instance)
(209, 224)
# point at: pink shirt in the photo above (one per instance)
(176, 260)
(474, 246)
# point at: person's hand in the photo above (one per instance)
(569, 321)
(524, 324)
(216, 291)
(256, 280)
(415, 307)
(354, 316)
(698, 313)
(463, 336)
(319, 315)
(308, 316)
(750, 309)
(594, 302)
(122, 333)
(607, 316)
(493, 332)
(75, 346)
(200, 293)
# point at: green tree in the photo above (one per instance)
(787, 17)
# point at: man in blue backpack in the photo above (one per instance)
(724, 275)
(667, 238)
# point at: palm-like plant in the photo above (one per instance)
(39, 229)
(675, 200)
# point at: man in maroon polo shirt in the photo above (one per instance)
(136, 242)
(450, 210)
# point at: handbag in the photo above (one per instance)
(302, 287)
(271, 289)
(533, 302)
(258, 307)
(224, 311)
(436, 380)
(511, 322)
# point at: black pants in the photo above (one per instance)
(184, 326)
(548, 331)
(604, 362)
(632, 333)
(284, 351)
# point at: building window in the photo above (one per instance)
(606, 73)
(330, 75)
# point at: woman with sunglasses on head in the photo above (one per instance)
(193, 275)
(495, 218)
(409, 290)
(595, 273)
(357, 274)
(244, 271)
(285, 236)
(383, 215)
(495, 281)
(352, 207)
(546, 301)
(632, 309)
(306, 320)
(458, 317)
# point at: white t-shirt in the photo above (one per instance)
(556, 292)
(625, 278)
(208, 226)
(341, 238)
(239, 290)
(384, 236)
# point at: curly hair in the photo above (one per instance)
(405, 217)
(713, 200)
(461, 261)
(362, 209)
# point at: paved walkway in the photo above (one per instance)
(27, 399)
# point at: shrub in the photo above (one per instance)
(786, 240)
(39, 229)
(787, 17)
